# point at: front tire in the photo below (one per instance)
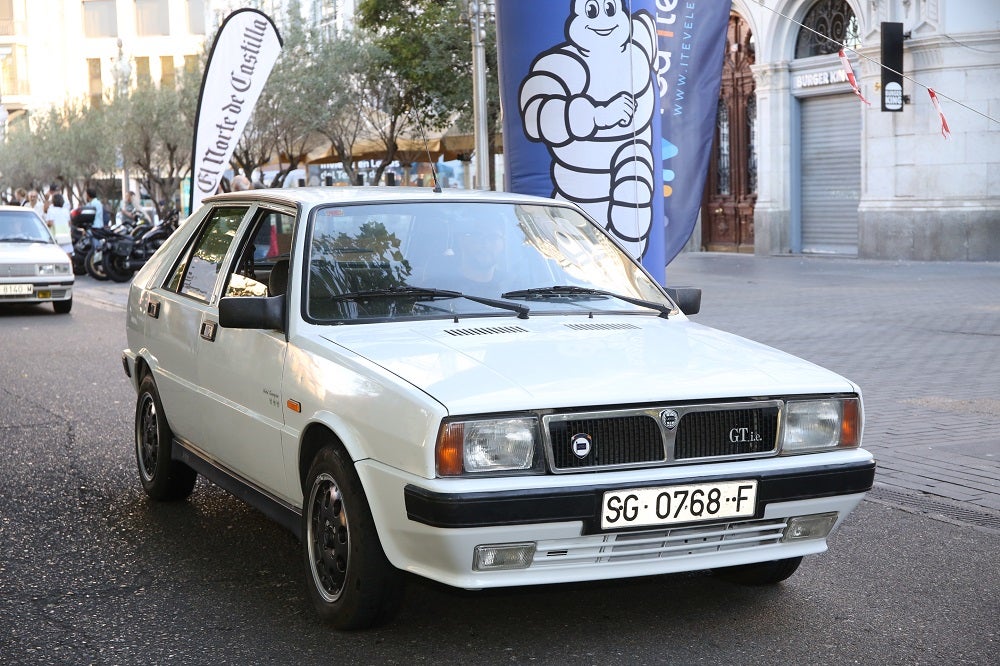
(63, 307)
(94, 266)
(351, 582)
(760, 573)
(162, 478)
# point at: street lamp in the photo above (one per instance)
(480, 13)
(122, 70)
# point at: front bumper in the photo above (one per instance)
(42, 292)
(436, 531)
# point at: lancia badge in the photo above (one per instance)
(581, 445)
(668, 418)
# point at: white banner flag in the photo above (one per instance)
(245, 50)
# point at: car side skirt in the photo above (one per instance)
(274, 508)
(521, 507)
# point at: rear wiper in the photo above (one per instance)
(570, 290)
(427, 293)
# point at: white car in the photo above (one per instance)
(478, 388)
(33, 268)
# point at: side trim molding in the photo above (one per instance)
(276, 509)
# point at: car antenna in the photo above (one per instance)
(427, 147)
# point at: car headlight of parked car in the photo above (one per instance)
(498, 446)
(821, 425)
(52, 269)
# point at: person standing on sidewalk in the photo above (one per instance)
(94, 202)
(57, 218)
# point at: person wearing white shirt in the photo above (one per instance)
(57, 218)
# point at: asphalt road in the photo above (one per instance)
(93, 572)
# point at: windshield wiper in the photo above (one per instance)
(563, 290)
(427, 293)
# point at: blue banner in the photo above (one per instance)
(611, 104)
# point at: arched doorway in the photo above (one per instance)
(731, 185)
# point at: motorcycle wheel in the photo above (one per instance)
(95, 268)
(114, 268)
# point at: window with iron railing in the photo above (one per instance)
(168, 74)
(828, 26)
(96, 85)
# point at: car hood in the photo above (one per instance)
(31, 253)
(482, 366)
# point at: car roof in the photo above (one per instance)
(312, 196)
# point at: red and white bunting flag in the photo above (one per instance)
(945, 130)
(850, 77)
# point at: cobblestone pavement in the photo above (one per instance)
(922, 339)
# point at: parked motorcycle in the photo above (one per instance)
(81, 221)
(129, 250)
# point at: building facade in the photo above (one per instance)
(54, 51)
(802, 165)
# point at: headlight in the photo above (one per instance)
(489, 446)
(52, 269)
(821, 425)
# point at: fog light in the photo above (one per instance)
(817, 526)
(492, 557)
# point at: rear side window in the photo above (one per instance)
(195, 275)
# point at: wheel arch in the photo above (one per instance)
(316, 437)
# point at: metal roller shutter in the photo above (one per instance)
(831, 174)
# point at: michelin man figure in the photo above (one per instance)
(591, 101)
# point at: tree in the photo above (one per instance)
(286, 113)
(428, 45)
(341, 70)
(156, 135)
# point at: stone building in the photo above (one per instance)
(802, 165)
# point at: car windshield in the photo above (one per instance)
(23, 227)
(406, 260)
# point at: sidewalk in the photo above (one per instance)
(922, 339)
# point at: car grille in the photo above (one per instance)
(726, 432)
(17, 270)
(675, 543)
(623, 440)
(656, 436)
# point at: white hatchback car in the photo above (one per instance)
(33, 268)
(479, 388)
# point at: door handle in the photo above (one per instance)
(153, 309)
(208, 330)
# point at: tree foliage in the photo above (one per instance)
(404, 70)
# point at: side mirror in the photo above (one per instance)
(688, 299)
(253, 312)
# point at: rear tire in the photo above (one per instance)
(760, 573)
(162, 478)
(351, 582)
(114, 268)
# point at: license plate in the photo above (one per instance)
(16, 289)
(643, 507)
